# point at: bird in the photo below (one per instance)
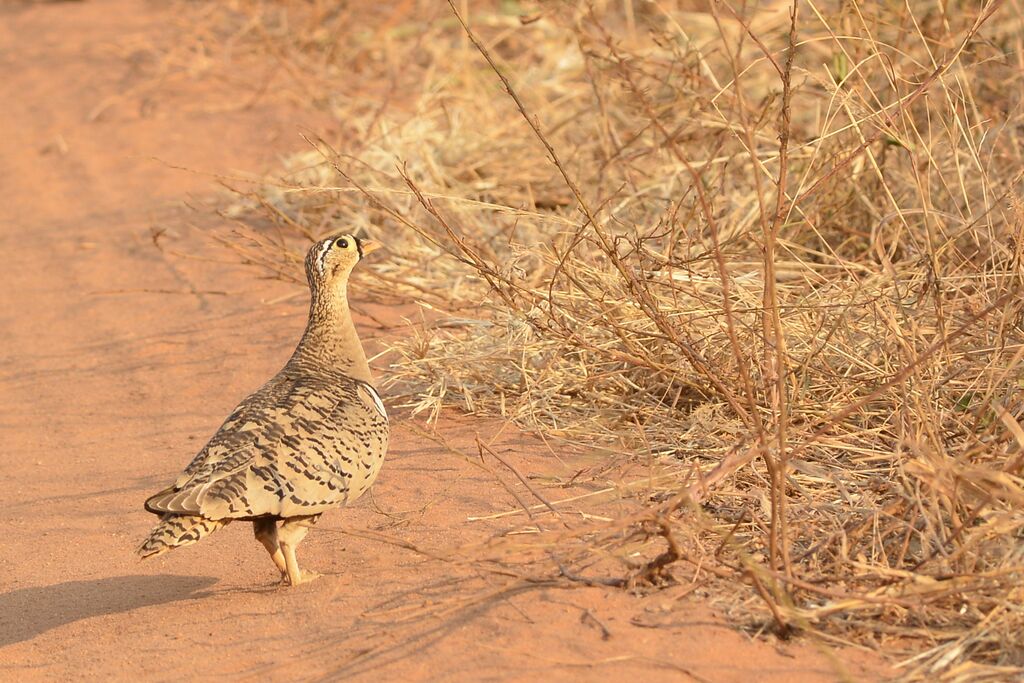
(312, 438)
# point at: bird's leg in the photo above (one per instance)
(291, 533)
(266, 533)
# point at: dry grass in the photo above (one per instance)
(785, 282)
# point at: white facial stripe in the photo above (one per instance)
(323, 252)
(376, 399)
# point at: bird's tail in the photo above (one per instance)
(174, 531)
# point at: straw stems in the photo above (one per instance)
(762, 272)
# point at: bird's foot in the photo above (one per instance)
(305, 576)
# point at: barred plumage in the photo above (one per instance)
(174, 531)
(311, 438)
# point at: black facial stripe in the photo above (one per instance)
(323, 253)
(359, 246)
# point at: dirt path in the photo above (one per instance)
(118, 359)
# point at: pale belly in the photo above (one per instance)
(366, 473)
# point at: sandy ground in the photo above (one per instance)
(118, 358)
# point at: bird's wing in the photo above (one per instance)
(211, 482)
(281, 453)
(342, 460)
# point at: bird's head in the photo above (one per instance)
(329, 261)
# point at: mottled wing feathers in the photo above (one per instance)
(339, 464)
(298, 446)
(231, 447)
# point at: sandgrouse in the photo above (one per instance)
(311, 438)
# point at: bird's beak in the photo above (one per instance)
(369, 246)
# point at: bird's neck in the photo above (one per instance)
(331, 339)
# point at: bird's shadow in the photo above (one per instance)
(27, 612)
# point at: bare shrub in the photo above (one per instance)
(771, 253)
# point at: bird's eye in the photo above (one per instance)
(343, 243)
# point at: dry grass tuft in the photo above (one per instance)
(771, 255)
